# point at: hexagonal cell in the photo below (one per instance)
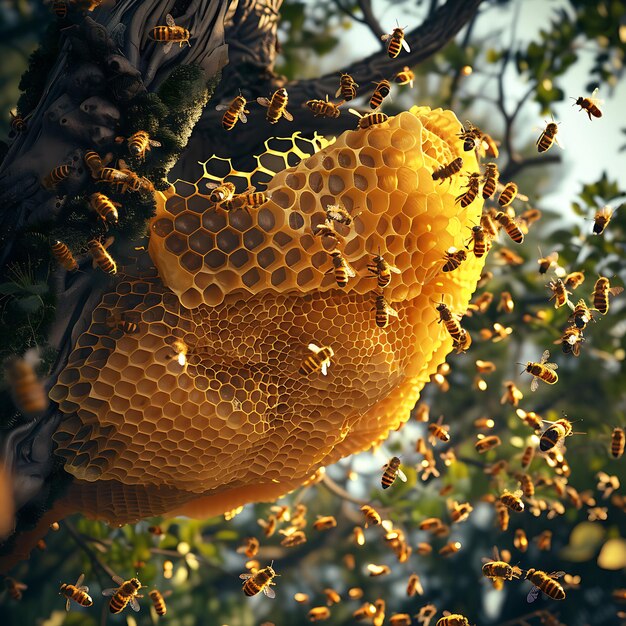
(187, 223)
(175, 204)
(176, 243)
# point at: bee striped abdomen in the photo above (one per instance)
(618, 442)
(64, 257)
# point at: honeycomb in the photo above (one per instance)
(202, 409)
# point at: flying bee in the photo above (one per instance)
(124, 594)
(250, 547)
(101, 258)
(498, 569)
(554, 434)
(366, 611)
(528, 218)
(460, 512)
(527, 457)
(396, 42)
(520, 540)
(489, 225)
(473, 187)
(452, 619)
(27, 391)
(77, 593)
(438, 431)
(601, 219)
(319, 361)
(414, 586)
(480, 304)
(139, 143)
(276, 106)
(14, 588)
(391, 472)
(508, 257)
(382, 90)
(510, 226)
(324, 108)
(170, 34)
(453, 258)
(221, 192)
(324, 522)
(18, 123)
(347, 88)
(470, 135)
(601, 292)
(293, 537)
(546, 583)
(545, 263)
(502, 515)
(548, 137)
(405, 76)
(531, 419)
(372, 516)
(400, 619)
(259, 581)
(590, 105)
(56, 176)
(618, 441)
(512, 501)
(268, 525)
(490, 180)
(508, 194)
(512, 395)
(484, 444)
(450, 548)
(318, 614)
(383, 311)
(445, 171)
(104, 207)
(382, 271)
(430, 524)
(581, 316)
(371, 119)
(489, 146)
(158, 601)
(249, 199)
(234, 111)
(542, 371)
(506, 303)
(526, 484)
(63, 256)
(450, 321)
(559, 293)
(338, 213)
(343, 270)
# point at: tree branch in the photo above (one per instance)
(82, 544)
(371, 21)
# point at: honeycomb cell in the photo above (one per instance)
(203, 408)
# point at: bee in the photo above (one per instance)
(250, 548)
(118, 322)
(554, 434)
(170, 34)
(396, 42)
(158, 601)
(510, 226)
(591, 105)
(101, 258)
(460, 512)
(546, 583)
(139, 143)
(155, 530)
(513, 501)
(512, 395)
(318, 614)
(249, 199)
(343, 270)
(506, 303)
(371, 119)
(452, 619)
(473, 187)
(366, 611)
(497, 569)
(529, 217)
(221, 191)
(601, 219)
(531, 419)
(438, 431)
(618, 440)
(27, 391)
(445, 171)
(125, 178)
(489, 225)
(337, 213)
(324, 108)
(18, 123)
(391, 472)
(453, 258)
(14, 588)
(382, 271)
(347, 88)
(292, 538)
(372, 516)
(542, 371)
(383, 311)
(545, 263)
(56, 176)
(104, 207)
(470, 135)
(259, 581)
(430, 524)
(581, 315)
(319, 361)
(489, 146)
(450, 548)
(559, 293)
(526, 484)
(450, 321)
(508, 194)
(520, 540)
(601, 292)
(276, 106)
(400, 619)
(382, 90)
(269, 525)
(548, 137)
(94, 163)
(122, 595)
(359, 537)
(502, 515)
(484, 444)
(77, 593)
(378, 570)
(490, 180)
(63, 256)
(235, 111)
(405, 76)
(325, 522)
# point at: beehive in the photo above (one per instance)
(245, 293)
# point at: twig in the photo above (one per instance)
(370, 20)
(333, 487)
(82, 544)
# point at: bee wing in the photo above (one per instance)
(222, 107)
(325, 365)
(245, 576)
(551, 366)
(391, 311)
(406, 46)
(556, 574)
(338, 92)
(269, 592)
(169, 20)
(264, 102)
(385, 37)
(155, 144)
(110, 592)
(615, 291)
(80, 580)
(534, 384)
(314, 348)
(594, 98)
(212, 185)
(350, 271)
(533, 594)
(83, 588)
(394, 269)
(354, 112)
(545, 356)
(401, 475)
(134, 605)
(287, 115)
(67, 604)
(243, 118)
(167, 47)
